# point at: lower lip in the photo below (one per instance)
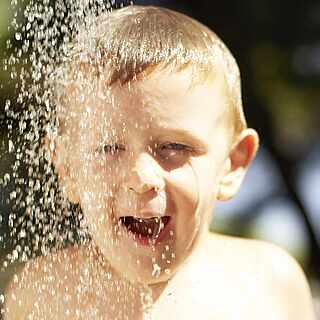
(146, 241)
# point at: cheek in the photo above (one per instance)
(95, 188)
(184, 188)
(193, 187)
(99, 175)
(107, 171)
(99, 216)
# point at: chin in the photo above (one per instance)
(146, 274)
(152, 268)
(147, 279)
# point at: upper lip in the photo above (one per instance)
(144, 214)
(142, 206)
(154, 208)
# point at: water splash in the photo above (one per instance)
(43, 40)
(41, 219)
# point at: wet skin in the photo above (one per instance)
(158, 147)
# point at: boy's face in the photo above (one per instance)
(146, 162)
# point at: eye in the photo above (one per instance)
(174, 150)
(110, 149)
(174, 146)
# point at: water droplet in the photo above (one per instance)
(156, 270)
(18, 36)
(13, 195)
(15, 255)
(167, 271)
(22, 234)
(6, 177)
(7, 105)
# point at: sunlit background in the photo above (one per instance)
(277, 45)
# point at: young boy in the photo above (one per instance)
(151, 133)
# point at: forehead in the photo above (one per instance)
(162, 101)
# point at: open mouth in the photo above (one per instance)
(145, 229)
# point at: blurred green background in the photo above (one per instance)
(277, 46)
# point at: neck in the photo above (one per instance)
(198, 250)
(158, 291)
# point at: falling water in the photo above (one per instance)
(41, 220)
(66, 128)
(43, 40)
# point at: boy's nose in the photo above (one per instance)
(145, 175)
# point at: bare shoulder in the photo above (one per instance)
(266, 274)
(40, 284)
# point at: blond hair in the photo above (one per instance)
(130, 43)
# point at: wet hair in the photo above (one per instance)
(131, 43)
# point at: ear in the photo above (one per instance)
(236, 165)
(66, 179)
